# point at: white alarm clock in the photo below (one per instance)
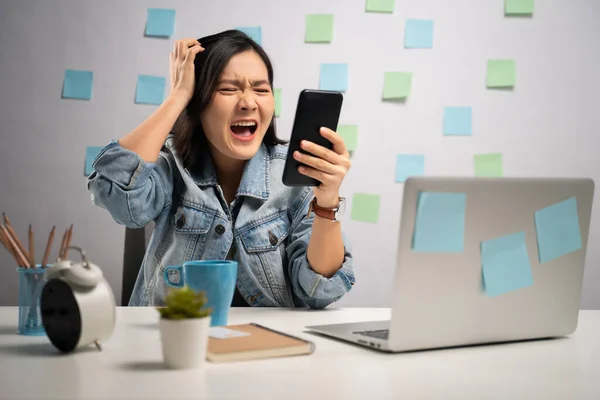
(77, 305)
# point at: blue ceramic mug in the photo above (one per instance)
(216, 278)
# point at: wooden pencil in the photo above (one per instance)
(22, 261)
(31, 248)
(48, 247)
(69, 237)
(61, 249)
(8, 247)
(11, 231)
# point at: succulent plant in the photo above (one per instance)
(184, 303)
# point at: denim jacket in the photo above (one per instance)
(194, 222)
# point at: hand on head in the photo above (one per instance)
(182, 67)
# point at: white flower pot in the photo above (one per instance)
(184, 341)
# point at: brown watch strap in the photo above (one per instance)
(322, 212)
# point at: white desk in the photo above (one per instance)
(129, 366)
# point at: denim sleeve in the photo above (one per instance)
(134, 192)
(315, 290)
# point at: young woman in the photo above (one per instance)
(206, 166)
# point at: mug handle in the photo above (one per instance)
(166, 276)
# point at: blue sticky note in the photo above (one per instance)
(418, 34)
(334, 77)
(161, 22)
(440, 222)
(505, 264)
(90, 155)
(409, 165)
(255, 32)
(457, 121)
(150, 89)
(77, 84)
(557, 230)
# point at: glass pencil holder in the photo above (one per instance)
(31, 283)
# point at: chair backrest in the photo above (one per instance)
(136, 241)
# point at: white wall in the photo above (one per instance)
(545, 127)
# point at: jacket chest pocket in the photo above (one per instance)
(183, 241)
(186, 238)
(265, 248)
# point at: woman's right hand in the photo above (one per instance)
(182, 67)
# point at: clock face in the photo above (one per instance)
(60, 315)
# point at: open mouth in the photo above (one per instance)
(244, 129)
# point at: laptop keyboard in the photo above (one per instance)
(379, 334)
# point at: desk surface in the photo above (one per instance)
(130, 365)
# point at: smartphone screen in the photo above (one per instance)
(316, 109)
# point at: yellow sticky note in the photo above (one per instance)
(488, 164)
(397, 85)
(350, 135)
(319, 28)
(277, 95)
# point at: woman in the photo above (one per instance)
(206, 166)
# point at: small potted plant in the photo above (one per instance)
(184, 325)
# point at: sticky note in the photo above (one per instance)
(365, 207)
(489, 165)
(319, 28)
(440, 222)
(277, 96)
(518, 7)
(160, 22)
(397, 85)
(150, 89)
(418, 34)
(350, 135)
(409, 165)
(334, 77)
(458, 121)
(501, 73)
(219, 332)
(90, 155)
(381, 6)
(255, 32)
(505, 264)
(78, 84)
(557, 230)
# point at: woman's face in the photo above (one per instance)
(242, 108)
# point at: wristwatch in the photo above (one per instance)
(333, 214)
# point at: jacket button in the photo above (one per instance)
(220, 229)
(181, 222)
(273, 239)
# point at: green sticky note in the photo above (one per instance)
(382, 6)
(488, 164)
(365, 207)
(277, 95)
(440, 222)
(557, 230)
(505, 264)
(501, 73)
(397, 85)
(319, 28)
(350, 135)
(518, 7)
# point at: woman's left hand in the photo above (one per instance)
(327, 166)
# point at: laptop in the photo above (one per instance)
(444, 296)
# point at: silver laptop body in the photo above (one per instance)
(439, 298)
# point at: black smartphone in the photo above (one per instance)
(316, 108)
